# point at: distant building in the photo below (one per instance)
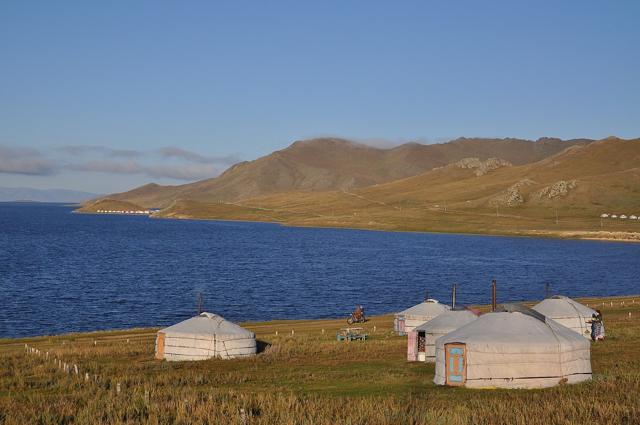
(633, 217)
(406, 320)
(623, 216)
(202, 337)
(614, 216)
(605, 215)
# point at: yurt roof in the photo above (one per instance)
(208, 324)
(429, 307)
(514, 329)
(561, 306)
(448, 321)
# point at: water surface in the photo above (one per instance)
(63, 272)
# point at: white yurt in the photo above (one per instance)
(406, 320)
(202, 337)
(516, 347)
(568, 313)
(421, 343)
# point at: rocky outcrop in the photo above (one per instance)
(511, 197)
(482, 167)
(558, 189)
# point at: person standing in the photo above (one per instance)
(597, 326)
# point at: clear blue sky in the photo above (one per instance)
(81, 82)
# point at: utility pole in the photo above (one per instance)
(200, 303)
(556, 210)
(497, 215)
(493, 295)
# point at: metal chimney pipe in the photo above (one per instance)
(426, 295)
(453, 295)
(493, 295)
(546, 290)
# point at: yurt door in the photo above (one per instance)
(411, 346)
(160, 346)
(456, 361)
(422, 346)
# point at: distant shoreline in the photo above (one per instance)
(591, 301)
(586, 235)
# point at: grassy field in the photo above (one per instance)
(303, 376)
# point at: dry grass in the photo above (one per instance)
(305, 378)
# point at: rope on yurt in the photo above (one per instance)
(559, 348)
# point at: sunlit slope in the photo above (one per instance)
(565, 192)
(326, 164)
(109, 205)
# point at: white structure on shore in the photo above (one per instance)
(202, 337)
(513, 348)
(568, 313)
(124, 212)
(406, 320)
(421, 342)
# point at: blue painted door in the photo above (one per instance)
(456, 363)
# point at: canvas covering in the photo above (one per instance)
(517, 350)
(567, 312)
(440, 325)
(420, 313)
(205, 336)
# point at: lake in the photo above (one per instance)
(62, 272)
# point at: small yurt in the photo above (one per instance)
(515, 347)
(408, 319)
(568, 313)
(202, 337)
(421, 343)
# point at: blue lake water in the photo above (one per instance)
(62, 272)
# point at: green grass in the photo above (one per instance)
(305, 378)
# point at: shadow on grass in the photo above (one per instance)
(261, 346)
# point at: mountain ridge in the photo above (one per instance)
(323, 164)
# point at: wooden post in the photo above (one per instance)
(493, 295)
(453, 295)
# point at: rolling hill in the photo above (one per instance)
(565, 192)
(327, 164)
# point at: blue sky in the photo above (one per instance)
(189, 88)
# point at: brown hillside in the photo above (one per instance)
(336, 164)
(109, 204)
(566, 192)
